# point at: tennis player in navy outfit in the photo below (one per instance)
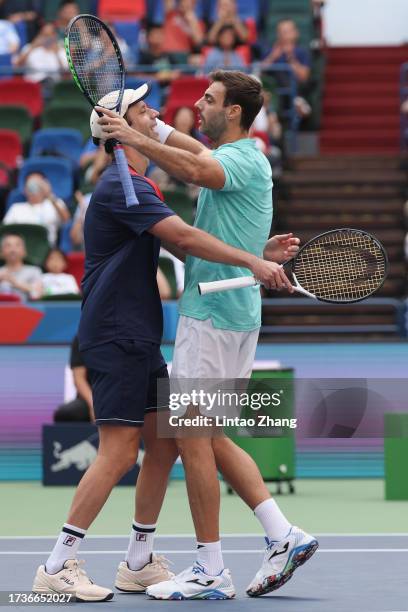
(120, 334)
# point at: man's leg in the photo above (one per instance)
(117, 453)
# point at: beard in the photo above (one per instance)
(215, 127)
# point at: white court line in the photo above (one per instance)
(231, 552)
(223, 536)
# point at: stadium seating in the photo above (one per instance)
(6, 65)
(179, 201)
(18, 119)
(155, 11)
(9, 297)
(66, 92)
(64, 142)
(115, 10)
(57, 170)
(11, 148)
(69, 116)
(15, 195)
(21, 27)
(35, 237)
(50, 8)
(129, 31)
(184, 91)
(167, 267)
(23, 93)
(154, 98)
(76, 265)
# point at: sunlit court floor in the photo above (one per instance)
(361, 565)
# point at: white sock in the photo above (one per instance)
(272, 519)
(209, 555)
(140, 545)
(66, 547)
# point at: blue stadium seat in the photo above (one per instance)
(21, 27)
(154, 97)
(6, 66)
(129, 31)
(65, 243)
(57, 170)
(249, 9)
(66, 142)
(15, 195)
(155, 11)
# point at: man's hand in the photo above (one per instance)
(114, 126)
(271, 275)
(281, 247)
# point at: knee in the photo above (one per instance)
(194, 449)
(120, 462)
(162, 452)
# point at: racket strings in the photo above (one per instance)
(96, 62)
(341, 266)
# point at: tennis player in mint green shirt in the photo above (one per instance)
(217, 334)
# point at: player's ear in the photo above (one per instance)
(234, 112)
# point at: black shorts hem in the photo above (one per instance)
(118, 421)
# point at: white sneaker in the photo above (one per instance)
(136, 581)
(71, 580)
(280, 561)
(194, 583)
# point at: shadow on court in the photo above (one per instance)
(359, 573)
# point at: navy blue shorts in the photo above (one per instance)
(123, 376)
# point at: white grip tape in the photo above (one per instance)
(224, 285)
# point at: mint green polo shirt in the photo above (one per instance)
(239, 214)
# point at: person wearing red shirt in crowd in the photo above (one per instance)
(183, 31)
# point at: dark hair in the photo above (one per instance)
(11, 235)
(225, 28)
(55, 250)
(241, 89)
(35, 172)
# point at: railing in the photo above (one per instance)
(287, 91)
(404, 98)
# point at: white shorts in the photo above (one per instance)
(204, 351)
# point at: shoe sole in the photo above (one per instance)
(177, 596)
(272, 583)
(140, 591)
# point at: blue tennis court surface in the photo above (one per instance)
(355, 573)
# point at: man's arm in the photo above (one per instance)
(83, 388)
(185, 142)
(197, 168)
(200, 244)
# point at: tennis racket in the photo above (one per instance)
(340, 266)
(96, 64)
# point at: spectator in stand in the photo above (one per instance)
(80, 408)
(223, 55)
(155, 55)
(183, 32)
(41, 208)
(28, 11)
(67, 10)
(227, 14)
(93, 161)
(55, 281)
(286, 51)
(267, 124)
(9, 39)
(44, 58)
(16, 277)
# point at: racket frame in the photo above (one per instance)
(120, 157)
(250, 281)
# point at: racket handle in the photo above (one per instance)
(225, 285)
(125, 178)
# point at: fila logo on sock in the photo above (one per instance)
(69, 540)
(141, 537)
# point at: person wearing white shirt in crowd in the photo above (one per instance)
(15, 276)
(44, 59)
(41, 208)
(55, 281)
(9, 39)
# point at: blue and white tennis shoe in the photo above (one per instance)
(194, 583)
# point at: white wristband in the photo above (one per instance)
(163, 130)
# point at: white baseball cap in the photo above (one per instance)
(130, 96)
